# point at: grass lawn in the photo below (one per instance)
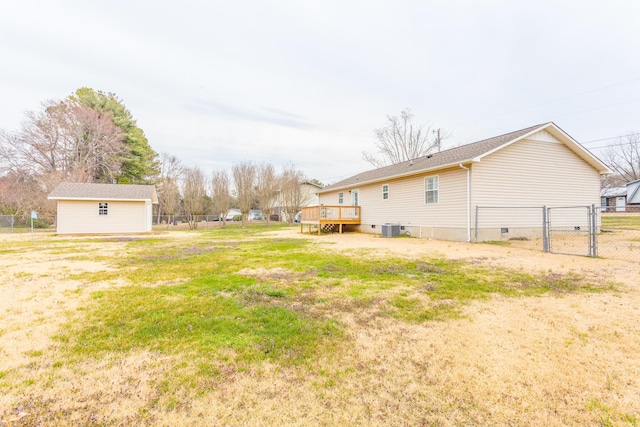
(627, 221)
(200, 325)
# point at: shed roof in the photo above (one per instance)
(84, 191)
(468, 153)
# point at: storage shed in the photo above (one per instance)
(103, 208)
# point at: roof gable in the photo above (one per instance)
(468, 153)
(85, 191)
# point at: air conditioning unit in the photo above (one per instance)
(390, 230)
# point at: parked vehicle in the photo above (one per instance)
(255, 215)
(298, 217)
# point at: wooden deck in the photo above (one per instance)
(329, 215)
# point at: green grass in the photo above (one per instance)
(629, 222)
(193, 297)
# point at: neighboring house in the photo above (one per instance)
(613, 199)
(621, 199)
(633, 193)
(309, 197)
(103, 208)
(435, 196)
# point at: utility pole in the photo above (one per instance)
(438, 140)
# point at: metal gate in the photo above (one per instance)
(571, 230)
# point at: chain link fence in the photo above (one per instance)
(170, 222)
(7, 223)
(573, 230)
(520, 226)
(619, 236)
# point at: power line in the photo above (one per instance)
(550, 101)
(612, 137)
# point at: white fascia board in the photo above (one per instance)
(401, 175)
(89, 199)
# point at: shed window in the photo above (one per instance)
(103, 208)
(431, 186)
(385, 192)
(340, 198)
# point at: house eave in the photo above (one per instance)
(397, 176)
(95, 199)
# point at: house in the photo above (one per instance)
(308, 196)
(436, 196)
(613, 199)
(633, 192)
(621, 199)
(103, 208)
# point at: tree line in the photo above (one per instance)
(187, 190)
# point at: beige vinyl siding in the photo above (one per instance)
(406, 203)
(81, 217)
(534, 173)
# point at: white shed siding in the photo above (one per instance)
(81, 217)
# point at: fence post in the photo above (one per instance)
(545, 230)
(476, 230)
(594, 232)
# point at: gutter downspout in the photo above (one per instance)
(468, 203)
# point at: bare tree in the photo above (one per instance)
(267, 189)
(623, 158)
(221, 195)
(244, 178)
(171, 170)
(401, 140)
(66, 138)
(292, 198)
(193, 194)
(65, 141)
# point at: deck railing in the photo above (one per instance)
(330, 213)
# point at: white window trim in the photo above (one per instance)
(341, 198)
(427, 190)
(353, 195)
(385, 192)
(103, 208)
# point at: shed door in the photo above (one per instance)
(620, 204)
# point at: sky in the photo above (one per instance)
(307, 82)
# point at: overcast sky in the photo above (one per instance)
(306, 82)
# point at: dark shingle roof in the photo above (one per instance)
(83, 191)
(433, 161)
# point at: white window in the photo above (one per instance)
(431, 185)
(103, 208)
(385, 192)
(340, 198)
